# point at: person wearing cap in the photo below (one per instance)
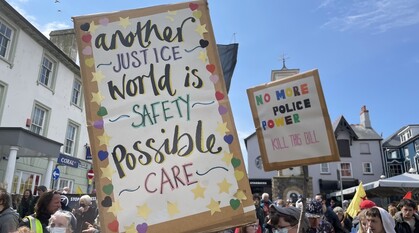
(62, 222)
(380, 221)
(285, 219)
(314, 213)
(366, 204)
(407, 220)
(40, 189)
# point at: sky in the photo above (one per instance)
(367, 52)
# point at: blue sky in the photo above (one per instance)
(367, 52)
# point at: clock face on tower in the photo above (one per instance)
(258, 162)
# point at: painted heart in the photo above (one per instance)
(228, 138)
(98, 124)
(89, 62)
(107, 202)
(102, 111)
(234, 203)
(222, 110)
(219, 95)
(193, 6)
(104, 21)
(85, 27)
(142, 228)
(239, 175)
(108, 189)
(214, 78)
(86, 38)
(203, 43)
(102, 155)
(211, 68)
(235, 162)
(87, 50)
(114, 226)
(197, 14)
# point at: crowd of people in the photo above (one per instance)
(46, 213)
(321, 217)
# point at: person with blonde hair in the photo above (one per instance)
(85, 214)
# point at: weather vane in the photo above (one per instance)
(283, 58)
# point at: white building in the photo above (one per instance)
(42, 114)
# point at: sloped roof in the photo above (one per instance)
(340, 124)
(356, 131)
(394, 139)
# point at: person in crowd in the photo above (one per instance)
(250, 228)
(329, 215)
(259, 211)
(364, 205)
(314, 213)
(24, 208)
(85, 213)
(66, 190)
(281, 203)
(379, 220)
(40, 189)
(285, 219)
(9, 218)
(334, 203)
(23, 230)
(345, 204)
(407, 220)
(392, 209)
(62, 222)
(363, 223)
(265, 203)
(94, 228)
(48, 204)
(345, 222)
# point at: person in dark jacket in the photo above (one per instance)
(9, 218)
(24, 208)
(86, 213)
(259, 211)
(48, 203)
(40, 190)
(407, 220)
(329, 215)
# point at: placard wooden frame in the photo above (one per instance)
(270, 166)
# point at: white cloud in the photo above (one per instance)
(46, 29)
(378, 15)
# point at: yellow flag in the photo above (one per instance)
(79, 191)
(359, 196)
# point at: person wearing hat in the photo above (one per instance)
(317, 224)
(286, 219)
(380, 221)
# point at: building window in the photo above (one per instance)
(70, 138)
(417, 146)
(394, 169)
(344, 148)
(62, 183)
(3, 87)
(392, 154)
(324, 168)
(46, 76)
(365, 148)
(407, 165)
(406, 152)
(6, 38)
(345, 170)
(39, 119)
(367, 168)
(24, 180)
(76, 93)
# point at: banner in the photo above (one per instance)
(165, 149)
(292, 122)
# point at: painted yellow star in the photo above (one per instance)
(93, 27)
(240, 195)
(198, 191)
(143, 211)
(124, 22)
(224, 186)
(97, 98)
(115, 208)
(203, 56)
(201, 29)
(227, 158)
(131, 229)
(98, 76)
(222, 128)
(104, 139)
(214, 206)
(107, 172)
(172, 208)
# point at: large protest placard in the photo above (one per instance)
(165, 149)
(292, 122)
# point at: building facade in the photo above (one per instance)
(43, 134)
(401, 151)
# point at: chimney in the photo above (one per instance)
(66, 41)
(365, 117)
